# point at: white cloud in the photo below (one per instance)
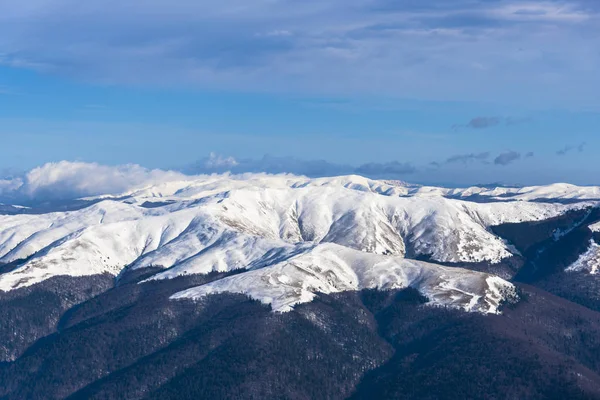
(66, 180)
(540, 11)
(216, 161)
(436, 49)
(9, 186)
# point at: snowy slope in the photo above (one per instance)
(360, 229)
(558, 191)
(331, 268)
(588, 261)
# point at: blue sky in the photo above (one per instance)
(454, 92)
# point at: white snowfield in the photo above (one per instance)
(294, 236)
(331, 268)
(588, 261)
(557, 192)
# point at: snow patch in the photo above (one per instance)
(330, 268)
(588, 261)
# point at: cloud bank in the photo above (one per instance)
(311, 168)
(71, 180)
(65, 181)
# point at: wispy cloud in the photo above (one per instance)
(489, 122)
(570, 148)
(378, 170)
(460, 50)
(483, 122)
(314, 168)
(215, 163)
(507, 158)
(468, 158)
(386, 170)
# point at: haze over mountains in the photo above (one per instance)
(150, 263)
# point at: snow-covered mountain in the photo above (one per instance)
(164, 286)
(293, 235)
(562, 192)
(590, 260)
(330, 268)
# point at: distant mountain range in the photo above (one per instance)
(278, 286)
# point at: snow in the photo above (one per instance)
(557, 191)
(357, 231)
(330, 268)
(588, 261)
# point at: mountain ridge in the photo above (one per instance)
(222, 223)
(279, 286)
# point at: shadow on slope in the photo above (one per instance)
(552, 245)
(30, 313)
(132, 342)
(544, 348)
